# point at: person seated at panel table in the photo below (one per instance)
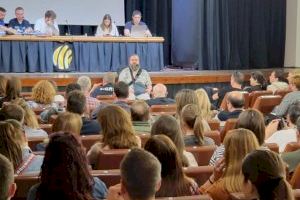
(47, 25)
(20, 24)
(3, 28)
(136, 20)
(107, 27)
(138, 79)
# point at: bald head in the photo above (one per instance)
(159, 90)
(236, 99)
(140, 111)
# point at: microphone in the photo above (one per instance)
(68, 26)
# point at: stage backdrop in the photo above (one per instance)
(231, 34)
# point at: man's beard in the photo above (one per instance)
(135, 67)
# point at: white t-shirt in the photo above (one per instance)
(282, 138)
(41, 26)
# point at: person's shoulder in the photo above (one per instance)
(142, 23)
(26, 21)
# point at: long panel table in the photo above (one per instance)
(77, 53)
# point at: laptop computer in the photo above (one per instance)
(138, 30)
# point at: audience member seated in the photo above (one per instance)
(58, 98)
(65, 122)
(168, 125)
(12, 91)
(136, 20)
(174, 182)
(107, 28)
(8, 187)
(258, 82)
(289, 132)
(236, 84)
(30, 124)
(227, 177)
(191, 124)
(140, 116)
(252, 120)
(76, 103)
(12, 111)
(13, 145)
(85, 85)
(117, 132)
(205, 105)
(290, 98)
(121, 91)
(140, 177)
(187, 96)
(159, 96)
(19, 23)
(71, 87)
(292, 159)
(65, 172)
(106, 87)
(235, 105)
(266, 171)
(277, 81)
(43, 96)
(47, 25)
(3, 81)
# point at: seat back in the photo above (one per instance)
(215, 135)
(109, 177)
(202, 153)
(106, 98)
(255, 94)
(169, 109)
(267, 103)
(200, 174)
(292, 146)
(144, 138)
(282, 93)
(46, 127)
(110, 159)
(214, 124)
(273, 147)
(229, 125)
(89, 140)
(24, 183)
(295, 180)
(32, 142)
(195, 197)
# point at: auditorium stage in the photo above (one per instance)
(167, 76)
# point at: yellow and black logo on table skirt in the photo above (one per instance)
(62, 57)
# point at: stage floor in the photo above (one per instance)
(168, 76)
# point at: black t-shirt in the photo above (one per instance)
(107, 89)
(13, 23)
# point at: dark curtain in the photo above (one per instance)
(158, 16)
(231, 34)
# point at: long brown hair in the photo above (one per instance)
(238, 144)
(13, 88)
(3, 82)
(190, 115)
(117, 128)
(9, 147)
(167, 125)
(65, 172)
(102, 25)
(174, 182)
(30, 118)
(204, 104)
(184, 97)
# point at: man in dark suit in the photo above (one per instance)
(159, 96)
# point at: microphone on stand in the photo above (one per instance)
(68, 27)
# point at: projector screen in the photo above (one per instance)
(73, 12)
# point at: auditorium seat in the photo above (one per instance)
(109, 177)
(144, 137)
(255, 94)
(110, 159)
(273, 147)
(229, 125)
(106, 98)
(282, 93)
(214, 124)
(292, 146)
(169, 109)
(89, 140)
(223, 105)
(32, 142)
(215, 135)
(46, 127)
(200, 174)
(202, 153)
(267, 103)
